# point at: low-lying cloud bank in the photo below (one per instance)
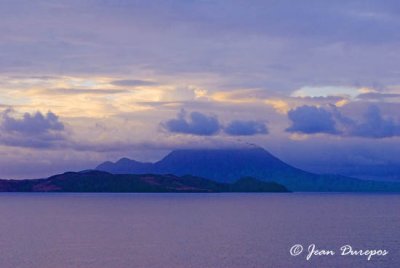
(312, 120)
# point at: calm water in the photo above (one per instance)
(195, 230)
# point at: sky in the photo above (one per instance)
(317, 83)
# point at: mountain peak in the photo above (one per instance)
(220, 155)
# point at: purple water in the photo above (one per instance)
(195, 230)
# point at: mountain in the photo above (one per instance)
(228, 165)
(99, 181)
(224, 165)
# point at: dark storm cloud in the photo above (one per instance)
(311, 120)
(245, 128)
(196, 124)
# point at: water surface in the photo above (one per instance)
(194, 230)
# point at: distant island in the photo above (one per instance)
(199, 170)
(100, 181)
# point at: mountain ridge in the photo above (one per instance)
(228, 165)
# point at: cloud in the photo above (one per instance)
(86, 91)
(133, 83)
(196, 124)
(280, 106)
(32, 124)
(310, 120)
(200, 124)
(239, 42)
(378, 96)
(32, 130)
(326, 91)
(245, 128)
(374, 125)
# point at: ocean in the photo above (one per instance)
(199, 230)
